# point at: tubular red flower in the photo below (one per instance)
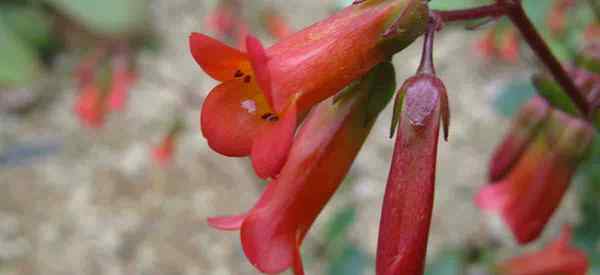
(90, 107)
(558, 257)
(528, 196)
(408, 201)
(525, 127)
(261, 86)
(320, 157)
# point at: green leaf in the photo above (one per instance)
(352, 261)
(382, 82)
(106, 16)
(18, 62)
(456, 4)
(554, 94)
(28, 23)
(449, 262)
(512, 96)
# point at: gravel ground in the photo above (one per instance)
(100, 206)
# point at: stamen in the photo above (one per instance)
(238, 73)
(247, 79)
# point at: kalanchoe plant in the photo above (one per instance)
(302, 108)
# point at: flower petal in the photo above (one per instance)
(230, 118)
(271, 146)
(271, 249)
(227, 222)
(218, 60)
(258, 59)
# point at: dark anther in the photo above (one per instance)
(238, 73)
(270, 117)
(247, 79)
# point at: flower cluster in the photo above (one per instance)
(103, 79)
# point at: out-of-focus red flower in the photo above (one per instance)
(486, 45)
(123, 78)
(530, 192)
(163, 152)
(592, 33)
(558, 257)
(254, 110)
(103, 86)
(525, 127)
(499, 42)
(509, 46)
(320, 157)
(222, 21)
(408, 201)
(276, 24)
(90, 107)
(556, 20)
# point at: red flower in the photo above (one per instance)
(524, 128)
(123, 79)
(163, 153)
(509, 46)
(408, 201)
(276, 24)
(320, 157)
(531, 191)
(254, 110)
(90, 106)
(559, 257)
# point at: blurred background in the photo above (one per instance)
(103, 169)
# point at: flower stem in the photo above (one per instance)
(493, 10)
(513, 9)
(517, 15)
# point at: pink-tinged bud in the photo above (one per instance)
(524, 128)
(123, 78)
(408, 200)
(319, 159)
(528, 196)
(558, 257)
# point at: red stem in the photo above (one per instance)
(513, 9)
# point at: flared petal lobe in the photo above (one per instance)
(218, 60)
(408, 201)
(558, 257)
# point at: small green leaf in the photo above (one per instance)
(512, 96)
(554, 94)
(382, 82)
(107, 16)
(18, 62)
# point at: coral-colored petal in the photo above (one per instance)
(269, 251)
(227, 222)
(259, 60)
(218, 60)
(271, 146)
(229, 120)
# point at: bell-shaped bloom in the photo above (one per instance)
(558, 257)
(525, 126)
(529, 194)
(90, 106)
(319, 159)
(408, 200)
(254, 110)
